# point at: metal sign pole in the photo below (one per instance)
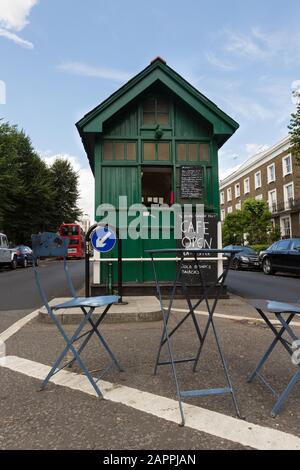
(120, 271)
(87, 259)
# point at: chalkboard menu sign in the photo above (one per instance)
(191, 182)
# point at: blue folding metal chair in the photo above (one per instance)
(280, 310)
(52, 245)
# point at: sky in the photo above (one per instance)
(61, 58)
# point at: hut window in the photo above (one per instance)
(119, 151)
(108, 151)
(192, 152)
(155, 111)
(157, 151)
(204, 152)
(149, 151)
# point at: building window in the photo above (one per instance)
(229, 194)
(237, 190)
(156, 151)
(192, 152)
(247, 186)
(155, 111)
(287, 165)
(222, 199)
(257, 179)
(288, 192)
(271, 173)
(286, 230)
(229, 210)
(273, 201)
(259, 197)
(238, 206)
(222, 215)
(119, 151)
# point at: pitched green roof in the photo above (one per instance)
(158, 71)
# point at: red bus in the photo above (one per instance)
(76, 235)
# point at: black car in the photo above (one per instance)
(246, 257)
(25, 256)
(283, 256)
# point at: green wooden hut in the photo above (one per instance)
(137, 142)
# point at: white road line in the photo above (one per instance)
(17, 326)
(209, 422)
(231, 317)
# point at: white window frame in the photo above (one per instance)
(282, 226)
(285, 198)
(237, 190)
(247, 180)
(259, 197)
(238, 206)
(284, 169)
(223, 215)
(257, 186)
(222, 198)
(268, 171)
(269, 200)
(229, 191)
(229, 210)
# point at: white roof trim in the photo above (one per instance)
(256, 161)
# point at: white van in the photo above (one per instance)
(8, 256)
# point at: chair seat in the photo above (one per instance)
(280, 307)
(88, 302)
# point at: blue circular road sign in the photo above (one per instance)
(103, 239)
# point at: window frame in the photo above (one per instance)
(156, 98)
(237, 194)
(247, 180)
(284, 170)
(268, 173)
(257, 186)
(229, 190)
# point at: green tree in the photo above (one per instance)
(233, 229)
(294, 128)
(34, 197)
(257, 221)
(64, 185)
(252, 222)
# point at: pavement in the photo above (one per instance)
(140, 410)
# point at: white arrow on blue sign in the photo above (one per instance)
(103, 239)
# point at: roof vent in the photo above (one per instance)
(158, 58)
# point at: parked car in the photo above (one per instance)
(283, 256)
(246, 257)
(25, 256)
(8, 256)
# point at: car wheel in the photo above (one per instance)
(236, 265)
(13, 264)
(25, 263)
(267, 266)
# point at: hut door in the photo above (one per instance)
(157, 188)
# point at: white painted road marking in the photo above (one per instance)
(231, 317)
(17, 326)
(200, 419)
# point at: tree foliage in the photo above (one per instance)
(34, 197)
(253, 223)
(294, 128)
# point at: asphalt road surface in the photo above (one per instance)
(18, 289)
(256, 285)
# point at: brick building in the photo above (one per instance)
(271, 176)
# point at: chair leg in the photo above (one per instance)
(283, 397)
(69, 342)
